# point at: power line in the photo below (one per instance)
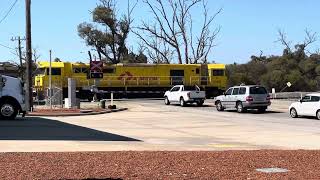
(6, 47)
(8, 12)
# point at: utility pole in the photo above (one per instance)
(20, 54)
(29, 101)
(50, 80)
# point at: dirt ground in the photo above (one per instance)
(160, 165)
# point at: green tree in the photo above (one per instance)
(108, 33)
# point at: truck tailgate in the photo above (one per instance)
(197, 94)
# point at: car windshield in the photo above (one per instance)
(258, 90)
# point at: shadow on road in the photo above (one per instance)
(193, 105)
(35, 128)
(256, 112)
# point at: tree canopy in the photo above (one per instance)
(108, 33)
(296, 65)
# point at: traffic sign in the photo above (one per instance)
(96, 69)
(96, 66)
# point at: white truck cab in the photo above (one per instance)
(12, 97)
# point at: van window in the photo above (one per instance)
(54, 71)
(218, 72)
(243, 91)
(258, 90)
(235, 91)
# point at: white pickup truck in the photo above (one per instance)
(12, 99)
(185, 94)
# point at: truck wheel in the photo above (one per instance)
(200, 103)
(240, 107)
(219, 106)
(166, 101)
(182, 103)
(8, 110)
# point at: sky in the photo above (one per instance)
(247, 26)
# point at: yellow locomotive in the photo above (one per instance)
(131, 79)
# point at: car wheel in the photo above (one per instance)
(318, 114)
(240, 108)
(166, 101)
(219, 106)
(294, 114)
(8, 111)
(182, 102)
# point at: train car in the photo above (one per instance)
(131, 80)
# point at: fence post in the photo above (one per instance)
(111, 98)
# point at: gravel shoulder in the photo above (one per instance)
(160, 165)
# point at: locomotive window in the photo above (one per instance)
(85, 70)
(54, 71)
(109, 70)
(80, 70)
(40, 71)
(218, 72)
(77, 70)
(197, 71)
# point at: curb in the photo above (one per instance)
(75, 114)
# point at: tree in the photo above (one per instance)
(172, 33)
(294, 65)
(110, 39)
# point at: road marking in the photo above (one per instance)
(272, 170)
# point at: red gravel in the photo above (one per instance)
(160, 165)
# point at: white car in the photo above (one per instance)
(307, 106)
(185, 94)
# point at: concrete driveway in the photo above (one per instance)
(150, 125)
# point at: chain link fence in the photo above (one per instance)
(289, 95)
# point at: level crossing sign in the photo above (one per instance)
(96, 69)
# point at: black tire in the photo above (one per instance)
(182, 102)
(219, 106)
(8, 110)
(239, 107)
(200, 103)
(293, 113)
(166, 101)
(262, 110)
(318, 114)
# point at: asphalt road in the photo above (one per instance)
(151, 125)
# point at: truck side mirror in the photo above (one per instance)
(301, 100)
